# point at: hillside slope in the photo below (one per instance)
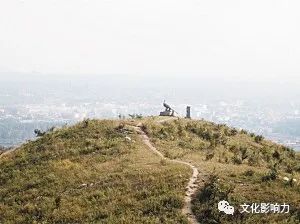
(101, 171)
(89, 173)
(243, 168)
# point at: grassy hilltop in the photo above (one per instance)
(92, 173)
(89, 173)
(243, 168)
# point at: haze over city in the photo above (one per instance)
(234, 62)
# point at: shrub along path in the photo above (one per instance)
(193, 181)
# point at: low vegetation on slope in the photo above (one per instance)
(243, 168)
(90, 173)
(101, 172)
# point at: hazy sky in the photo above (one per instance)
(255, 38)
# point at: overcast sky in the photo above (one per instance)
(257, 38)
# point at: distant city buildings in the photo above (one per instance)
(238, 114)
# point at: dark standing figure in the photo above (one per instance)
(188, 112)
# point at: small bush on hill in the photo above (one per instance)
(236, 159)
(249, 173)
(258, 138)
(271, 176)
(205, 204)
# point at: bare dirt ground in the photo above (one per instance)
(193, 183)
(7, 152)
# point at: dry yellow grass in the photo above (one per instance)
(240, 164)
(90, 173)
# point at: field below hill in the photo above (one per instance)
(101, 171)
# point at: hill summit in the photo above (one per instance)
(137, 171)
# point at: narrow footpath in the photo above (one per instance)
(192, 186)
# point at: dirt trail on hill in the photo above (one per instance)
(7, 152)
(192, 186)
